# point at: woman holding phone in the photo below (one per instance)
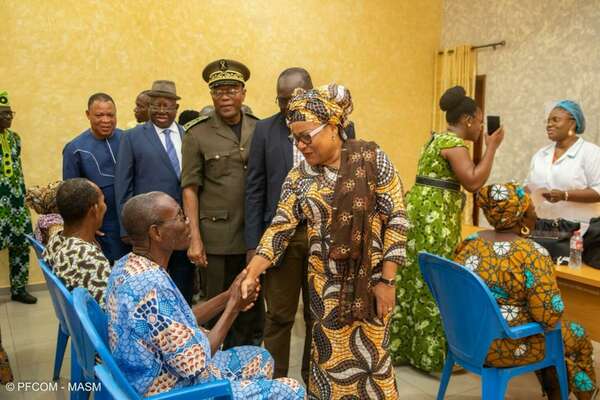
(434, 207)
(566, 173)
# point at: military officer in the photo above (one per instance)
(215, 154)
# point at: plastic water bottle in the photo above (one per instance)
(576, 250)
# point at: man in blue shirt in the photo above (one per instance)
(93, 155)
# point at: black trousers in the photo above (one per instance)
(247, 329)
(182, 272)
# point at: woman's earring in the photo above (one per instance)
(468, 125)
(525, 231)
(571, 133)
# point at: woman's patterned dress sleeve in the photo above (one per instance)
(277, 236)
(390, 207)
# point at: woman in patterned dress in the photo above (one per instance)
(519, 273)
(434, 208)
(350, 194)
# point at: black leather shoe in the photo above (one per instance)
(24, 298)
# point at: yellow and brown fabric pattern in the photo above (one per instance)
(520, 276)
(347, 359)
(329, 104)
(503, 204)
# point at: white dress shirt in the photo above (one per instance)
(578, 168)
(175, 138)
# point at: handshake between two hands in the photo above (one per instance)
(244, 291)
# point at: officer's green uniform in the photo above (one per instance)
(215, 160)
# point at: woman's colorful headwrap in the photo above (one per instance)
(503, 205)
(575, 110)
(330, 104)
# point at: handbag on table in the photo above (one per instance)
(591, 244)
(555, 236)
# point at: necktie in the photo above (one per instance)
(171, 152)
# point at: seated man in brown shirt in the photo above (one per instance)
(74, 254)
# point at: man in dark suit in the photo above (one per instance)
(150, 160)
(272, 156)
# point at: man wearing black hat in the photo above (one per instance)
(150, 160)
(215, 156)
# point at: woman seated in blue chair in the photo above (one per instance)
(519, 273)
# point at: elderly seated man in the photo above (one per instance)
(155, 335)
(74, 255)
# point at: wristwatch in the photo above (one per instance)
(389, 282)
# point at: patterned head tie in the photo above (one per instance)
(330, 104)
(503, 205)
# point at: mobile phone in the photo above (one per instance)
(493, 123)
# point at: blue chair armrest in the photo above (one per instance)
(200, 391)
(521, 331)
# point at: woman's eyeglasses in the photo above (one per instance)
(306, 138)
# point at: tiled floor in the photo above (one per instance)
(29, 337)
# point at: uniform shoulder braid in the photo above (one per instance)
(249, 113)
(189, 125)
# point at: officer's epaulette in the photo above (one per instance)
(250, 115)
(195, 122)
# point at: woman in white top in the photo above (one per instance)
(564, 177)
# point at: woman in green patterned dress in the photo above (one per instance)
(434, 208)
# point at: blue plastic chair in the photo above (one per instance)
(37, 246)
(472, 320)
(82, 360)
(95, 325)
(82, 356)
(63, 334)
